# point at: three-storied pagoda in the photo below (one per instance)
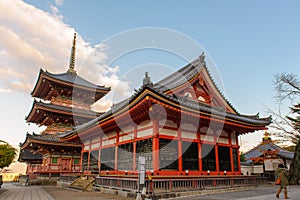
(182, 125)
(65, 101)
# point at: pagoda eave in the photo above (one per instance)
(30, 143)
(40, 111)
(45, 83)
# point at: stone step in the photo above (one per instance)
(82, 183)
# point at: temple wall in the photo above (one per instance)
(179, 149)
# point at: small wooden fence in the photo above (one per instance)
(165, 185)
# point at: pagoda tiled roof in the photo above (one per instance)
(75, 79)
(266, 146)
(67, 109)
(72, 111)
(68, 81)
(27, 155)
(52, 139)
(181, 101)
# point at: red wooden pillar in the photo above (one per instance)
(217, 158)
(134, 148)
(80, 164)
(116, 150)
(199, 151)
(238, 153)
(60, 163)
(99, 156)
(231, 156)
(155, 147)
(179, 149)
(71, 163)
(200, 156)
(89, 158)
(231, 160)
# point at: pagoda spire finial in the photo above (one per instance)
(266, 136)
(72, 57)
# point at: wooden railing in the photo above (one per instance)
(53, 168)
(164, 185)
(117, 183)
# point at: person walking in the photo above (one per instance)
(282, 174)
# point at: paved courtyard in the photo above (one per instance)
(253, 193)
(11, 191)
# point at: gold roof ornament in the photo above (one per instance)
(72, 57)
(266, 136)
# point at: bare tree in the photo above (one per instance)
(288, 88)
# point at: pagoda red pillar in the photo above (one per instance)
(81, 156)
(89, 157)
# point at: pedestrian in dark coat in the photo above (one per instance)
(282, 174)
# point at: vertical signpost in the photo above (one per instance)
(141, 177)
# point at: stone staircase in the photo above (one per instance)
(84, 182)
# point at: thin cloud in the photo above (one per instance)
(59, 2)
(5, 91)
(32, 39)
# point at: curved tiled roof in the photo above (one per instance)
(180, 101)
(184, 75)
(75, 79)
(67, 109)
(26, 154)
(84, 114)
(174, 80)
(69, 81)
(265, 146)
(51, 138)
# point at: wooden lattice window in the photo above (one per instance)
(168, 154)
(235, 159)
(190, 156)
(54, 161)
(108, 158)
(224, 158)
(76, 161)
(208, 157)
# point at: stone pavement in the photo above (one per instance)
(11, 191)
(252, 193)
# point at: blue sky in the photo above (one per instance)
(249, 42)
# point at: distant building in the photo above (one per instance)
(264, 159)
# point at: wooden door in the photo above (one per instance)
(66, 164)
